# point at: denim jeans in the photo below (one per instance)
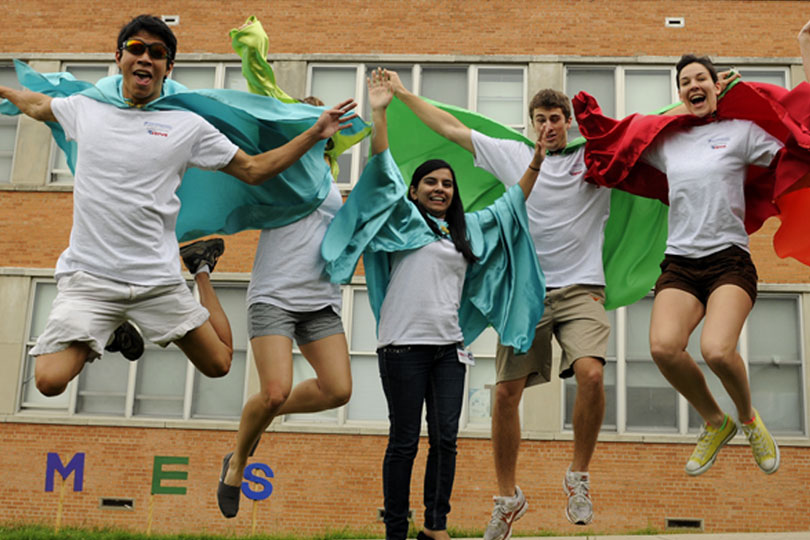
(411, 375)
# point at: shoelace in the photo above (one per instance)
(498, 511)
(704, 441)
(578, 487)
(758, 441)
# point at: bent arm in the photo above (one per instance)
(442, 122)
(529, 177)
(256, 169)
(33, 104)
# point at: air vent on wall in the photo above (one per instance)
(116, 503)
(171, 20)
(685, 523)
(674, 22)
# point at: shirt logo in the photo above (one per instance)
(576, 171)
(157, 129)
(718, 143)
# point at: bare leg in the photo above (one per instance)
(506, 433)
(332, 385)
(273, 356)
(727, 308)
(209, 347)
(54, 371)
(675, 315)
(589, 410)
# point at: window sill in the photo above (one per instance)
(55, 187)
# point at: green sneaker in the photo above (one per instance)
(709, 444)
(765, 449)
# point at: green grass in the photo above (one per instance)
(46, 532)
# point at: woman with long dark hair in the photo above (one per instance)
(436, 278)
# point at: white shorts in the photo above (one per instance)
(89, 308)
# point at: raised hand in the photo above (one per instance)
(380, 91)
(334, 119)
(396, 83)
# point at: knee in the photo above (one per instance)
(48, 384)
(664, 351)
(718, 357)
(507, 397)
(340, 396)
(274, 394)
(220, 365)
(589, 374)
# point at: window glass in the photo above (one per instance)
(8, 127)
(103, 386)
(446, 85)
(161, 382)
(500, 95)
(367, 401)
(598, 82)
(222, 397)
(195, 77)
(652, 404)
(481, 378)
(234, 79)
(647, 90)
(775, 363)
(44, 294)
(333, 85)
(764, 76)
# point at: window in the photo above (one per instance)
(367, 404)
(639, 398)
(161, 384)
(622, 90)
(8, 127)
(495, 91)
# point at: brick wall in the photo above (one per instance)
(579, 27)
(327, 482)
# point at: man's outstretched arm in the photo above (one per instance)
(33, 104)
(442, 122)
(256, 169)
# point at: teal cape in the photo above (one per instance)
(505, 288)
(214, 202)
(636, 231)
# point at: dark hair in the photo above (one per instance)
(153, 25)
(692, 59)
(312, 100)
(549, 99)
(455, 212)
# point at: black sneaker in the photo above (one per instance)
(127, 341)
(202, 252)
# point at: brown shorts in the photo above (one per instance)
(701, 276)
(576, 316)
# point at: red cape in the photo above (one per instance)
(614, 147)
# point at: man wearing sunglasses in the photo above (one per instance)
(121, 262)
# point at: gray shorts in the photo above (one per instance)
(576, 316)
(304, 327)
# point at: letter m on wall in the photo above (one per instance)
(75, 465)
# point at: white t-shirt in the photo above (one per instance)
(130, 162)
(288, 270)
(567, 215)
(706, 167)
(423, 296)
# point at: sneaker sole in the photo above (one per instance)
(709, 463)
(198, 248)
(568, 516)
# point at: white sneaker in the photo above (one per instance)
(507, 510)
(579, 510)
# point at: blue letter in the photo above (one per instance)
(75, 465)
(267, 487)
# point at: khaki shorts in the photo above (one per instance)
(88, 308)
(576, 316)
